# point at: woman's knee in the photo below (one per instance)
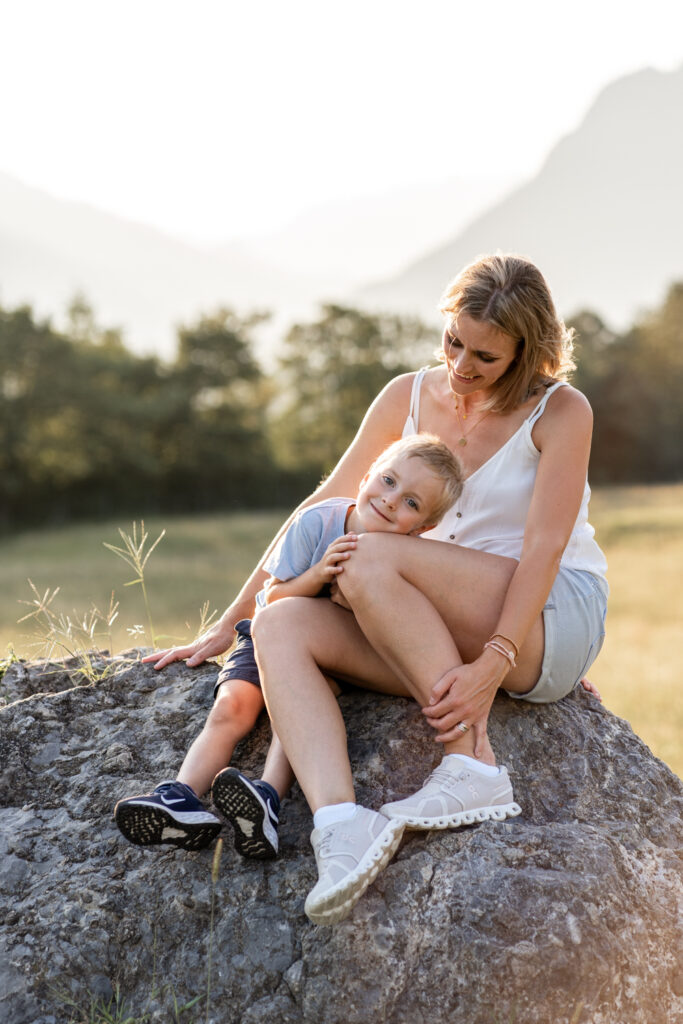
(372, 559)
(279, 623)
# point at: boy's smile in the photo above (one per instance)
(397, 496)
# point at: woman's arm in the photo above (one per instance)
(563, 437)
(382, 424)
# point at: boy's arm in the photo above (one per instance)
(308, 584)
(311, 582)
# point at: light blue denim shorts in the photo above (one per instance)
(574, 621)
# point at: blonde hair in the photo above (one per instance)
(510, 293)
(439, 458)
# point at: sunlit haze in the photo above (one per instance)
(217, 120)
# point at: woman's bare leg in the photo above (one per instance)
(451, 591)
(296, 639)
(436, 592)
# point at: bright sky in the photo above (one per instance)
(217, 118)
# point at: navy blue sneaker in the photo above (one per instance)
(251, 808)
(171, 815)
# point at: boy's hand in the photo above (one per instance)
(330, 565)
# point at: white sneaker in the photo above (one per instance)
(349, 855)
(455, 794)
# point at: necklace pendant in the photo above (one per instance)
(462, 442)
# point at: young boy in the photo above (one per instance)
(407, 490)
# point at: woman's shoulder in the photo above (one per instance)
(565, 407)
(397, 393)
(567, 397)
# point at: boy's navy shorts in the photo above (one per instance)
(241, 662)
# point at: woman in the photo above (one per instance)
(508, 591)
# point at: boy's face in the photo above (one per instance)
(397, 496)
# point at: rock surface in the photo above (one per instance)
(567, 913)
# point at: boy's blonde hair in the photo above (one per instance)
(440, 460)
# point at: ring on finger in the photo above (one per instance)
(463, 727)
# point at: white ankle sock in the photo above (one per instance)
(333, 813)
(478, 766)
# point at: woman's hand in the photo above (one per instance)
(465, 694)
(590, 688)
(215, 641)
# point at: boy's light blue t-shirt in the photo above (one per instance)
(307, 540)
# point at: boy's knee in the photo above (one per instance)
(234, 707)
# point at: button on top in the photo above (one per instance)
(459, 515)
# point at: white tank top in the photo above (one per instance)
(491, 513)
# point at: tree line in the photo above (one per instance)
(90, 429)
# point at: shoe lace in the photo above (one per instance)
(442, 775)
(326, 843)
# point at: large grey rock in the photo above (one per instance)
(567, 913)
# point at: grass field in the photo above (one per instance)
(206, 558)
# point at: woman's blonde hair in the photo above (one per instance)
(510, 293)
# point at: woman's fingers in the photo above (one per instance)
(447, 721)
(449, 703)
(163, 658)
(590, 688)
(442, 686)
(194, 654)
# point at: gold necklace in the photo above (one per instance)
(464, 433)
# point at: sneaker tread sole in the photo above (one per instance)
(151, 825)
(238, 804)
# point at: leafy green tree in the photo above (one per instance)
(634, 382)
(88, 428)
(328, 374)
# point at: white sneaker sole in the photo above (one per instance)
(497, 812)
(335, 904)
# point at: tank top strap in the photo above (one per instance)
(538, 411)
(414, 412)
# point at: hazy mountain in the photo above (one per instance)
(145, 281)
(355, 240)
(134, 276)
(603, 218)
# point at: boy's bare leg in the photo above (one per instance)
(233, 715)
(277, 770)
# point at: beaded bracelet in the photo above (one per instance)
(495, 646)
(512, 643)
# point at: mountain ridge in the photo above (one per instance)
(595, 185)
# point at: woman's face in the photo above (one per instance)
(477, 354)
